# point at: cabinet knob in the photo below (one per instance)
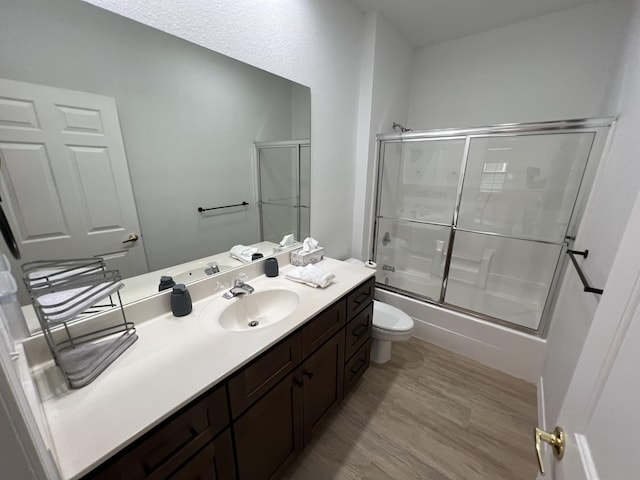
(297, 382)
(308, 374)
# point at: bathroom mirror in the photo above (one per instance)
(190, 120)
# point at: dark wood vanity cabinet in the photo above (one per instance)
(268, 436)
(358, 333)
(196, 438)
(322, 389)
(213, 462)
(272, 431)
(256, 423)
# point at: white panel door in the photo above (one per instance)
(600, 413)
(64, 180)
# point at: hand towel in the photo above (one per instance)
(242, 253)
(311, 275)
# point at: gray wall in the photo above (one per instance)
(189, 116)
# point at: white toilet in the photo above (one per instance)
(390, 324)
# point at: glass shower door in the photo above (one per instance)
(284, 192)
(417, 197)
(517, 199)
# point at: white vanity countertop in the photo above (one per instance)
(173, 361)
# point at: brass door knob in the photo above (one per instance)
(132, 238)
(556, 439)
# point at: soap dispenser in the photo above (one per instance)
(166, 282)
(180, 300)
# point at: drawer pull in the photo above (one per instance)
(298, 383)
(308, 374)
(358, 365)
(360, 330)
(361, 298)
(148, 469)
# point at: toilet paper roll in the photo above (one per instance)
(370, 264)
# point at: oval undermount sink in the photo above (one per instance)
(259, 309)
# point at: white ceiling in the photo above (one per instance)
(427, 22)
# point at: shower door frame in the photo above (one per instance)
(299, 145)
(600, 127)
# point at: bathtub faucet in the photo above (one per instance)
(386, 239)
(388, 268)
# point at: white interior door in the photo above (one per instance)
(600, 412)
(64, 179)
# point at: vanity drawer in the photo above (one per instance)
(361, 296)
(161, 451)
(259, 376)
(358, 331)
(355, 367)
(323, 327)
(213, 462)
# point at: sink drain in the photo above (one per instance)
(253, 323)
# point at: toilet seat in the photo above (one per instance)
(390, 319)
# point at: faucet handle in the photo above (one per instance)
(240, 279)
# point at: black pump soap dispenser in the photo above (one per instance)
(166, 283)
(180, 300)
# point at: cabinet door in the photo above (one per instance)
(213, 462)
(268, 435)
(323, 382)
(254, 380)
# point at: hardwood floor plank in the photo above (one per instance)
(427, 414)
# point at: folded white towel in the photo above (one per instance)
(242, 253)
(311, 275)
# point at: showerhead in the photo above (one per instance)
(401, 127)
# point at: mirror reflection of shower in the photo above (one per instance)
(284, 172)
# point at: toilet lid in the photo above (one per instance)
(391, 318)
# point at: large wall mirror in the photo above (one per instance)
(197, 129)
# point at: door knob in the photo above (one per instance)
(132, 238)
(556, 439)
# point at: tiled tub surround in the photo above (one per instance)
(173, 362)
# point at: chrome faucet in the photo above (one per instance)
(213, 268)
(388, 268)
(239, 288)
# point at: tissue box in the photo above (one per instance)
(300, 258)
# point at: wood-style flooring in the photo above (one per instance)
(427, 414)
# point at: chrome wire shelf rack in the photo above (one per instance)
(63, 293)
